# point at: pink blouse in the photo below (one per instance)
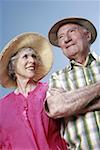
(24, 124)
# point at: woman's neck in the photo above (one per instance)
(25, 86)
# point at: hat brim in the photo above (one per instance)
(52, 35)
(32, 40)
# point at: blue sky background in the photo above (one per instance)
(17, 16)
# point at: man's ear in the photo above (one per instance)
(89, 36)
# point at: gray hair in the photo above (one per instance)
(86, 30)
(12, 62)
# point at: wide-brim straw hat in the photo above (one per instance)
(32, 40)
(52, 35)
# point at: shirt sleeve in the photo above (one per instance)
(5, 143)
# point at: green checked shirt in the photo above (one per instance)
(82, 132)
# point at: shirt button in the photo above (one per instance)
(90, 81)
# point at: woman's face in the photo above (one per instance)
(26, 64)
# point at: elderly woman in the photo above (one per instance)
(23, 123)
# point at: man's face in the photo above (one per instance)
(74, 40)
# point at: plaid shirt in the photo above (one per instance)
(82, 132)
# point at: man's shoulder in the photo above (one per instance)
(60, 72)
(96, 56)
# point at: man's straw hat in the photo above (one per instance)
(32, 40)
(81, 21)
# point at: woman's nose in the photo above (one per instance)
(31, 59)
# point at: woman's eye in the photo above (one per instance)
(60, 37)
(25, 56)
(34, 56)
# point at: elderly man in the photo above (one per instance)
(75, 90)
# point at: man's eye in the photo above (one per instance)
(59, 37)
(72, 30)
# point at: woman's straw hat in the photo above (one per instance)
(32, 40)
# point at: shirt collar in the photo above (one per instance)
(90, 58)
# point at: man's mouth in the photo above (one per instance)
(69, 45)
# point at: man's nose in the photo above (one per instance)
(67, 38)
